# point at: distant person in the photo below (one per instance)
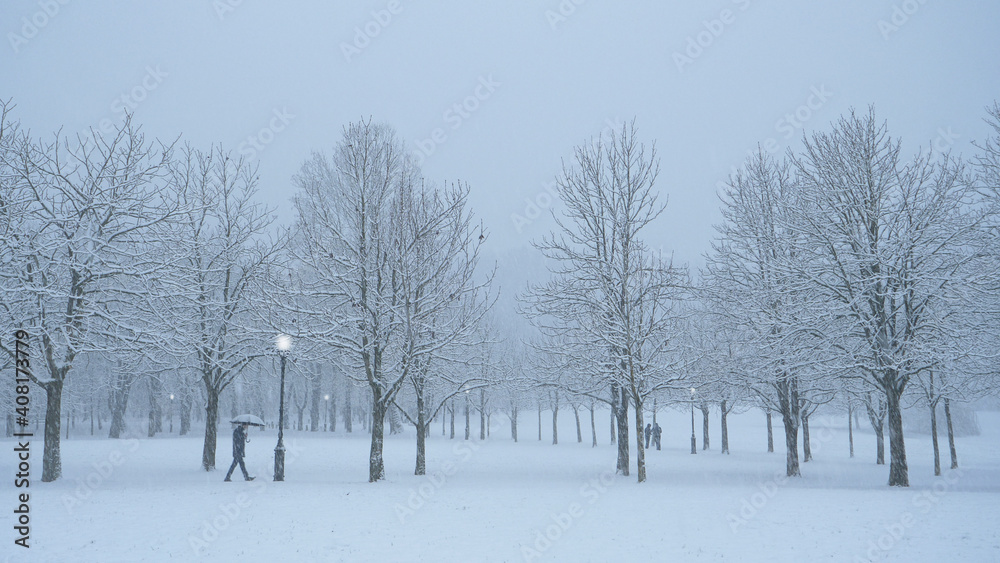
(657, 432)
(648, 432)
(239, 440)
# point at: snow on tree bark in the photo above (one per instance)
(770, 434)
(725, 427)
(806, 446)
(704, 425)
(951, 433)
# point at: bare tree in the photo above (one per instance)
(385, 267)
(87, 207)
(609, 290)
(439, 300)
(748, 283)
(884, 241)
(220, 252)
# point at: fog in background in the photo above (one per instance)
(497, 93)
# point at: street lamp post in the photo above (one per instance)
(694, 445)
(284, 344)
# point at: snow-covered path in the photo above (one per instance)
(147, 500)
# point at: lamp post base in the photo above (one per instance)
(279, 463)
(694, 445)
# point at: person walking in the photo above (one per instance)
(657, 432)
(648, 432)
(240, 439)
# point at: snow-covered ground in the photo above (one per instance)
(147, 499)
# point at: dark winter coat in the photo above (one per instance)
(239, 442)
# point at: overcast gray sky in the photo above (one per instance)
(706, 80)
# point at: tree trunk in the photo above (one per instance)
(934, 440)
(348, 415)
(951, 433)
(198, 413)
(704, 425)
(555, 426)
(452, 410)
(614, 413)
(640, 451)
(788, 400)
(622, 415)
(806, 446)
(118, 403)
(467, 428)
(898, 473)
(482, 414)
(395, 420)
(725, 428)
(880, 445)
(579, 433)
(51, 461)
(850, 428)
(513, 423)
(612, 421)
(593, 427)
(155, 409)
(770, 434)
(211, 423)
(332, 414)
(314, 405)
(422, 424)
(185, 413)
(539, 421)
(376, 467)
(877, 420)
(791, 444)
